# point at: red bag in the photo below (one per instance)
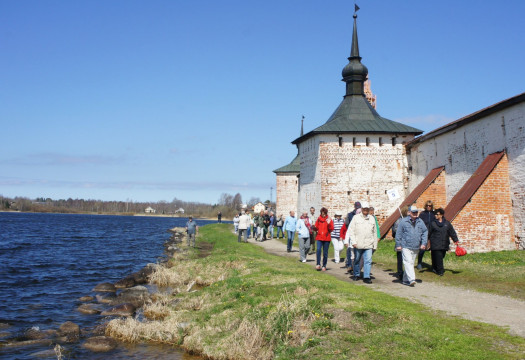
(460, 251)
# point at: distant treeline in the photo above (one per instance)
(228, 205)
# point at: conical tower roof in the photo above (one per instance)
(355, 114)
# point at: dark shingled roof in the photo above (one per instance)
(293, 167)
(356, 115)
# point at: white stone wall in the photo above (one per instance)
(335, 174)
(462, 150)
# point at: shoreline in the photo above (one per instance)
(109, 214)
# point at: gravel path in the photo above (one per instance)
(469, 304)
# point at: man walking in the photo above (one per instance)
(289, 227)
(191, 229)
(244, 224)
(363, 238)
(350, 250)
(411, 236)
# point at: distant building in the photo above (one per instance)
(150, 210)
(473, 167)
(257, 208)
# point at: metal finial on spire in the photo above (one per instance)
(355, 9)
(302, 122)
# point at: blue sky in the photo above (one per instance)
(152, 100)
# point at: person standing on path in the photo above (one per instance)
(289, 227)
(272, 224)
(399, 255)
(191, 229)
(244, 224)
(236, 223)
(303, 234)
(363, 238)
(411, 236)
(337, 242)
(349, 250)
(279, 223)
(324, 226)
(219, 217)
(428, 216)
(441, 231)
(313, 233)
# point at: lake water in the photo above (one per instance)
(48, 261)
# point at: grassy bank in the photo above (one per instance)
(498, 272)
(252, 305)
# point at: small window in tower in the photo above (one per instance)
(367, 141)
(354, 142)
(380, 141)
(340, 141)
(394, 142)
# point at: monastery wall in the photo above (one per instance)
(286, 194)
(349, 170)
(462, 150)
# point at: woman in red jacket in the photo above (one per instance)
(324, 226)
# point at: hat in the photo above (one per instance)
(338, 213)
(413, 209)
(357, 205)
(364, 205)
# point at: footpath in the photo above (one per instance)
(468, 304)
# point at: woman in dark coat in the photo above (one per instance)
(440, 232)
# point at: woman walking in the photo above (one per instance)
(324, 226)
(441, 231)
(303, 232)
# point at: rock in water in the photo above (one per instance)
(105, 287)
(106, 299)
(120, 310)
(100, 344)
(127, 282)
(69, 331)
(89, 309)
(86, 298)
(137, 295)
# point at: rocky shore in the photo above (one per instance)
(124, 298)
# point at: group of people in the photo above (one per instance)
(418, 232)
(260, 226)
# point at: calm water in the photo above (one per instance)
(48, 261)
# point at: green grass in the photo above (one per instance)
(270, 307)
(498, 272)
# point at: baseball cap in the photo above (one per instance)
(413, 209)
(365, 205)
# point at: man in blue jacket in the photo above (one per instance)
(289, 227)
(411, 236)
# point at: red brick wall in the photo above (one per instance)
(486, 223)
(437, 192)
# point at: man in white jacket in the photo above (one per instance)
(363, 238)
(244, 223)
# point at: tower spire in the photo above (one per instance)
(354, 73)
(302, 122)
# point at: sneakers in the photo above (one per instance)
(318, 267)
(412, 283)
(355, 278)
(419, 266)
(323, 269)
(367, 281)
(303, 260)
(337, 261)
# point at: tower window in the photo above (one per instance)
(340, 141)
(380, 141)
(367, 141)
(394, 142)
(354, 141)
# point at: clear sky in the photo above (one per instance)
(152, 100)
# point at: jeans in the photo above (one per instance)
(322, 246)
(242, 233)
(304, 247)
(280, 231)
(270, 230)
(248, 231)
(409, 256)
(366, 254)
(350, 254)
(420, 257)
(289, 244)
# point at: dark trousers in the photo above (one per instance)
(312, 241)
(437, 261)
(399, 262)
(420, 257)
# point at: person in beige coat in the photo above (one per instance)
(363, 238)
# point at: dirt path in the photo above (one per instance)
(469, 304)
